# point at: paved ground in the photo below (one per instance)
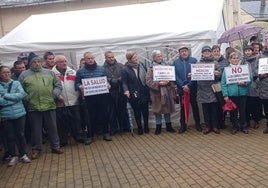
(168, 160)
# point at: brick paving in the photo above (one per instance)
(168, 160)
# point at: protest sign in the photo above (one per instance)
(161, 73)
(202, 71)
(237, 74)
(263, 66)
(95, 86)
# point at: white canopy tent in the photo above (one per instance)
(163, 25)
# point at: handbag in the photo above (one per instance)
(229, 106)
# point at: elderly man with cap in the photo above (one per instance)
(184, 84)
(43, 88)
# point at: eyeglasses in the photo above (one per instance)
(5, 73)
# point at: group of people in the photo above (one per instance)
(46, 95)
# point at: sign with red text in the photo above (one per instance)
(95, 86)
(263, 66)
(202, 71)
(237, 74)
(163, 73)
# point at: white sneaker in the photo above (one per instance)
(13, 161)
(25, 159)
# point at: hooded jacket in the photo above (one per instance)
(11, 97)
(42, 87)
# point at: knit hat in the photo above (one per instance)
(206, 48)
(22, 55)
(32, 57)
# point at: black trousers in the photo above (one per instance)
(253, 108)
(210, 114)
(140, 110)
(118, 116)
(98, 113)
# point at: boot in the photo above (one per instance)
(146, 129)
(235, 128)
(244, 128)
(158, 129)
(140, 130)
(265, 131)
(169, 128)
(198, 127)
(183, 128)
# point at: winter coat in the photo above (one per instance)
(233, 89)
(86, 72)
(162, 96)
(182, 69)
(68, 88)
(205, 93)
(114, 75)
(11, 106)
(134, 84)
(43, 88)
(223, 62)
(253, 89)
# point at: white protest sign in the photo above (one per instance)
(95, 86)
(202, 71)
(237, 74)
(161, 73)
(263, 66)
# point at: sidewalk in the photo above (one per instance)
(168, 160)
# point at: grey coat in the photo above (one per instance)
(253, 89)
(205, 93)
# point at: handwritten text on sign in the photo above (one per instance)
(95, 86)
(263, 66)
(202, 71)
(237, 74)
(161, 73)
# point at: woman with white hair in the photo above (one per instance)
(162, 95)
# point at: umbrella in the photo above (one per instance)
(186, 104)
(239, 32)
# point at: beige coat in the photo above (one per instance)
(166, 105)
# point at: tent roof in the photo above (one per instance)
(141, 23)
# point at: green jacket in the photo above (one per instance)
(42, 87)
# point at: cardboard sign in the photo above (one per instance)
(263, 66)
(202, 71)
(161, 73)
(237, 74)
(95, 86)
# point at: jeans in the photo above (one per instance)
(14, 132)
(158, 118)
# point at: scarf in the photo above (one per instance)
(141, 71)
(91, 67)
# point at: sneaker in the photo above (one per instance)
(25, 159)
(13, 161)
(6, 157)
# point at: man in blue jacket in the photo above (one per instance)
(184, 84)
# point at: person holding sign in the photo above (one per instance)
(91, 80)
(205, 93)
(162, 94)
(185, 84)
(135, 88)
(237, 92)
(254, 106)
